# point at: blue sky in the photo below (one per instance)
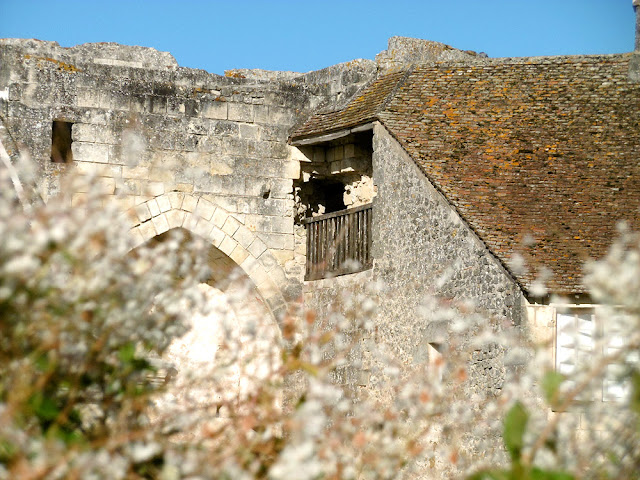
(308, 35)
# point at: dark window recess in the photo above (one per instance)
(333, 196)
(61, 142)
(338, 243)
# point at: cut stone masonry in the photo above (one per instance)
(457, 157)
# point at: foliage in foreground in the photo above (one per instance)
(85, 323)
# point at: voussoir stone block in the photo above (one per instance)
(160, 223)
(239, 254)
(219, 217)
(189, 203)
(153, 207)
(216, 236)
(175, 218)
(147, 230)
(227, 245)
(142, 212)
(203, 227)
(230, 225)
(163, 203)
(244, 236)
(175, 198)
(257, 248)
(205, 208)
(190, 221)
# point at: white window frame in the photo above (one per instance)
(580, 343)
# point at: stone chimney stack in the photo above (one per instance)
(634, 63)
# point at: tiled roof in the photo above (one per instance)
(540, 156)
(364, 108)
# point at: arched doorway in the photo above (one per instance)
(218, 228)
(232, 346)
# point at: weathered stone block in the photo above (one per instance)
(291, 170)
(205, 208)
(216, 110)
(239, 254)
(259, 274)
(203, 227)
(91, 152)
(189, 203)
(175, 199)
(147, 230)
(241, 112)
(283, 256)
(216, 236)
(175, 106)
(250, 132)
(88, 98)
(230, 204)
(139, 172)
(257, 248)
(153, 207)
(261, 114)
(106, 185)
(243, 236)
(160, 223)
(157, 105)
(230, 225)
(227, 245)
(249, 265)
(175, 218)
(190, 221)
(155, 188)
(281, 116)
(83, 132)
(281, 224)
(136, 237)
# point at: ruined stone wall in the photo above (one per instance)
(329, 300)
(145, 127)
(423, 248)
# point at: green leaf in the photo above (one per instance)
(538, 474)
(492, 475)
(44, 407)
(634, 401)
(515, 424)
(551, 386)
(42, 362)
(7, 450)
(127, 353)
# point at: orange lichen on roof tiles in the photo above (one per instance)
(544, 148)
(362, 109)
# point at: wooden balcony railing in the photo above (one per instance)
(339, 243)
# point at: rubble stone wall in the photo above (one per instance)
(423, 249)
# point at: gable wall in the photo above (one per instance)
(422, 247)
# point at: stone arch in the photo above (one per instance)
(211, 222)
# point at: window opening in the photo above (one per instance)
(61, 142)
(583, 335)
(333, 200)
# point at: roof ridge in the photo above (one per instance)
(361, 109)
(394, 90)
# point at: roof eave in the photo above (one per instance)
(328, 136)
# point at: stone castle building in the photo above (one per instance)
(431, 169)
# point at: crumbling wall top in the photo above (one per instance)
(100, 53)
(406, 51)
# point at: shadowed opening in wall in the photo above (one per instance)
(61, 142)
